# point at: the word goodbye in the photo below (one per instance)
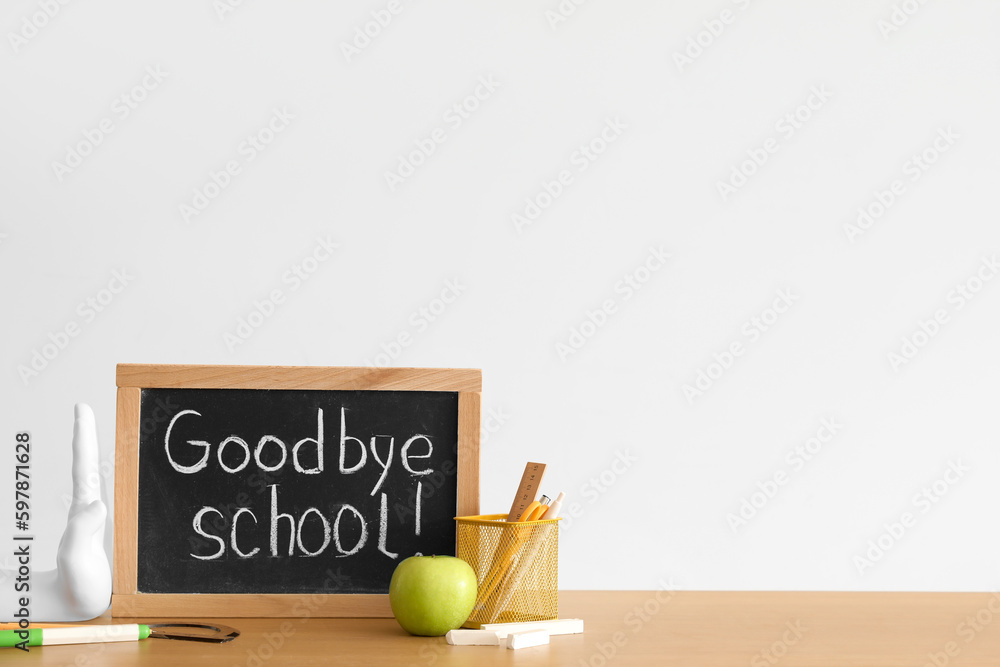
(233, 455)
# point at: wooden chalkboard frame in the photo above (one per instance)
(131, 379)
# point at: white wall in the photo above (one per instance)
(681, 129)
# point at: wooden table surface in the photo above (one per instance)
(694, 629)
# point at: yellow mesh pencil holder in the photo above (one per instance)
(516, 566)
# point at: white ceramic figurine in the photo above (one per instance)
(80, 587)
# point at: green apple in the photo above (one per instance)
(431, 595)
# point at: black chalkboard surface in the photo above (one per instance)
(256, 491)
(285, 491)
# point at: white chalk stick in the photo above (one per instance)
(527, 639)
(561, 626)
(472, 638)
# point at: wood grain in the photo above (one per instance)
(152, 376)
(126, 491)
(252, 606)
(469, 425)
(641, 628)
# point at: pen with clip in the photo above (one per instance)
(82, 634)
(513, 578)
(128, 632)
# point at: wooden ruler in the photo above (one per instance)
(527, 490)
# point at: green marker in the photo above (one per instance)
(80, 634)
(129, 632)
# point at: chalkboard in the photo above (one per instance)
(245, 490)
